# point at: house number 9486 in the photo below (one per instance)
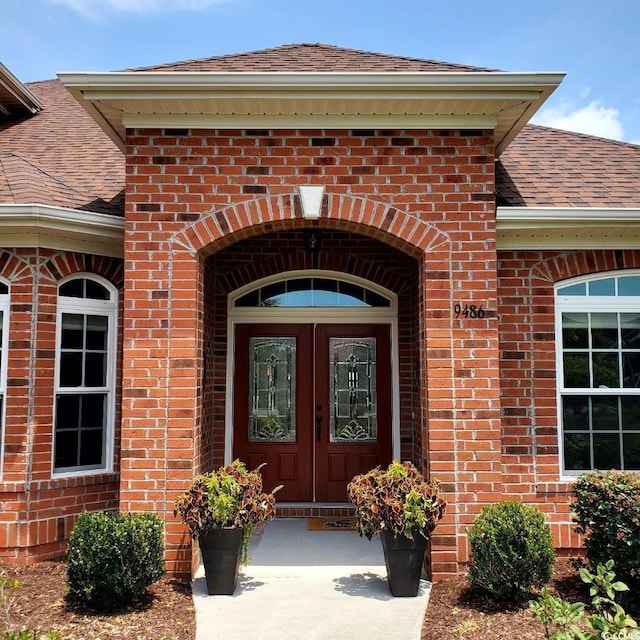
(472, 311)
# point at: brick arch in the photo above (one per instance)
(14, 267)
(390, 225)
(299, 261)
(563, 266)
(61, 265)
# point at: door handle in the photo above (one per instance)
(318, 427)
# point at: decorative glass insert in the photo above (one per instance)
(272, 397)
(353, 394)
(312, 292)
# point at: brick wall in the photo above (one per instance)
(528, 375)
(38, 512)
(428, 194)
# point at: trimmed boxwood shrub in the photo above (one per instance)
(606, 510)
(511, 550)
(113, 557)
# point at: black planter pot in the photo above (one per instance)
(221, 554)
(404, 558)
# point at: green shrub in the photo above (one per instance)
(606, 510)
(564, 620)
(511, 550)
(113, 557)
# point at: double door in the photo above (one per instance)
(313, 402)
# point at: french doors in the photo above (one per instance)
(313, 402)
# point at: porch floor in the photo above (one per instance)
(311, 585)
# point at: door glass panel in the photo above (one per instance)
(352, 367)
(272, 395)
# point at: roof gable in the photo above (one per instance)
(312, 86)
(311, 58)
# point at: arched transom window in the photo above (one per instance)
(312, 292)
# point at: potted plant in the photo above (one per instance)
(404, 508)
(220, 509)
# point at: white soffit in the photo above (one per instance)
(464, 100)
(35, 225)
(567, 228)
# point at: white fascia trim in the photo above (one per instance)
(140, 82)
(567, 227)
(161, 120)
(37, 225)
(538, 216)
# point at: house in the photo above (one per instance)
(318, 258)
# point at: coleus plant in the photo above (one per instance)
(398, 499)
(230, 496)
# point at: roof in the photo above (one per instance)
(59, 156)
(311, 57)
(15, 98)
(548, 167)
(312, 85)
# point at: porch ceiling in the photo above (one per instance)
(463, 100)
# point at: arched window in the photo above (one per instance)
(85, 375)
(598, 345)
(4, 338)
(312, 292)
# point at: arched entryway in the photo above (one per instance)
(342, 324)
(313, 381)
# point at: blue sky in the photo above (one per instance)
(595, 42)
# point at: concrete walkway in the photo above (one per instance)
(310, 585)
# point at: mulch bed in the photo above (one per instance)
(164, 612)
(457, 611)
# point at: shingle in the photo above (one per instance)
(61, 154)
(550, 167)
(308, 57)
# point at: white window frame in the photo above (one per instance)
(318, 315)
(586, 304)
(4, 361)
(89, 306)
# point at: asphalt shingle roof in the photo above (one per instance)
(545, 167)
(310, 58)
(61, 157)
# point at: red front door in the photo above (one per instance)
(313, 402)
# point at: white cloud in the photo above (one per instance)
(594, 119)
(94, 8)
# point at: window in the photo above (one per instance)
(4, 331)
(312, 292)
(598, 329)
(85, 373)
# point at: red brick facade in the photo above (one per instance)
(211, 211)
(430, 215)
(38, 511)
